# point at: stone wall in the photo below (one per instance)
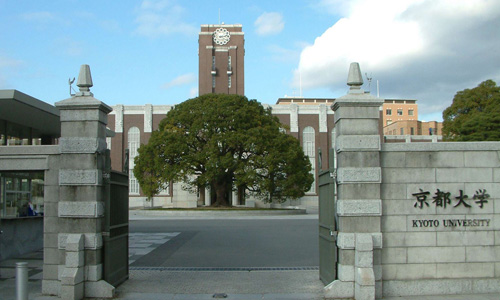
(440, 218)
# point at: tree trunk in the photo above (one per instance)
(221, 194)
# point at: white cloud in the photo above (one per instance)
(160, 18)
(269, 23)
(40, 16)
(423, 49)
(180, 80)
(193, 92)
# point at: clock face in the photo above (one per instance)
(221, 36)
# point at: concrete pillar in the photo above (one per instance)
(359, 206)
(80, 207)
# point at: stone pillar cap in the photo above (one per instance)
(84, 81)
(354, 79)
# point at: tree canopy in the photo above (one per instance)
(474, 114)
(224, 141)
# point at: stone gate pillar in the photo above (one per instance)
(80, 210)
(359, 207)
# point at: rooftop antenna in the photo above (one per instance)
(369, 79)
(70, 82)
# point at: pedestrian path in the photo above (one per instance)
(141, 244)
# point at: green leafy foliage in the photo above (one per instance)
(474, 114)
(224, 141)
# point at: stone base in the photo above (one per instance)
(51, 287)
(99, 289)
(339, 290)
(72, 292)
(440, 287)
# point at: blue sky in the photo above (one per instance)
(146, 51)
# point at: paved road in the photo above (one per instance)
(231, 243)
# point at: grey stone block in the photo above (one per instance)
(408, 175)
(485, 159)
(81, 193)
(51, 177)
(82, 129)
(410, 239)
(83, 115)
(53, 256)
(486, 286)
(434, 159)
(93, 273)
(497, 269)
(359, 224)
(93, 257)
(339, 290)
(346, 256)
(436, 254)
(357, 127)
(82, 161)
(394, 256)
(74, 259)
(464, 175)
(50, 272)
(358, 160)
(392, 159)
(466, 238)
(364, 292)
(354, 190)
(393, 191)
(359, 175)
(99, 289)
(358, 143)
(448, 146)
(364, 277)
(364, 242)
(465, 270)
(405, 207)
(72, 292)
(482, 254)
(346, 272)
(74, 242)
(359, 207)
(408, 271)
(393, 223)
(88, 209)
(72, 276)
(82, 145)
(79, 225)
(80, 177)
(50, 240)
(363, 259)
(51, 287)
(91, 240)
(50, 209)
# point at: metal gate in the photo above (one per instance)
(115, 237)
(327, 223)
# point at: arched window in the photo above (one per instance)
(309, 147)
(134, 141)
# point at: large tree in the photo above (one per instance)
(474, 114)
(224, 141)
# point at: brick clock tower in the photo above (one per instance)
(222, 55)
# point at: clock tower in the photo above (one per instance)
(221, 59)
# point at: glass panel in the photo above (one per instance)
(21, 194)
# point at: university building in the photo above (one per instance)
(221, 70)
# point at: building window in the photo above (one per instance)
(412, 131)
(134, 141)
(229, 63)
(21, 194)
(309, 147)
(165, 189)
(388, 112)
(400, 112)
(410, 112)
(402, 131)
(133, 188)
(213, 82)
(229, 81)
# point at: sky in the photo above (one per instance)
(146, 51)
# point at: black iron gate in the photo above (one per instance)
(115, 237)
(327, 224)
